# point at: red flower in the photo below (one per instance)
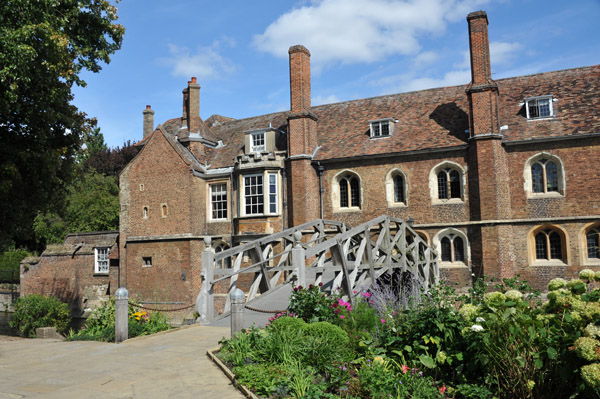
(443, 389)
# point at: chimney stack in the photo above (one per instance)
(480, 48)
(193, 111)
(299, 79)
(482, 92)
(148, 121)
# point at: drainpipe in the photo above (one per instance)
(284, 197)
(320, 169)
(231, 207)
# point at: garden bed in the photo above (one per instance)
(504, 344)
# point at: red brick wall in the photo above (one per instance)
(71, 279)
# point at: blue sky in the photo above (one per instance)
(360, 48)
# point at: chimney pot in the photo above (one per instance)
(148, 121)
(193, 79)
(299, 79)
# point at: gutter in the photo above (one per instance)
(398, 154)
(513, 143)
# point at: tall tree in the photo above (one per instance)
(44, 46)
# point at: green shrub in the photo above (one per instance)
(591, 376)
(100, 326)
(327, 332)
(310, 304)
(286, 322)
(588, 348)
(35, 311)
(556, 284)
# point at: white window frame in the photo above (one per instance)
(536, 100)
(258, 136)
(376, 128)
(266, 193)
(433, 183)
(101, 262)
(528, 180)
(212, 201)
(452, 233)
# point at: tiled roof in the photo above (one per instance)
(427, 119)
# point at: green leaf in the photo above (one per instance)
(552, 353)
(539, 363)
(521, 361)
(408, 348)
(427, 361)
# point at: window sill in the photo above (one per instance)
(397, 205)
(551, 194)
(103, 274)
(217, 220)
(547, 118)
(453, 265)
(553, 262)
(262, 215)
(591, 262)
(448, 201)
(380, 137)
(347, 210)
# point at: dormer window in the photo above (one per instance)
(539, 107)
(381, 127)
(257, 142)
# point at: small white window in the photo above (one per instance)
(539, 107)
(260, 194)
(272, 193)
(101, 261)
(147, 261)
(381, 127)
(257, 142)
(218, 201)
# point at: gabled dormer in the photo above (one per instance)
(260, 140)
(383, 127)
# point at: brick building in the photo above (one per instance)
(82, 271)
(501, 176)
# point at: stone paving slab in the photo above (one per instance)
(166, 365)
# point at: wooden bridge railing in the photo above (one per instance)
(355, 257)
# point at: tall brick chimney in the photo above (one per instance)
(302, 181)
(489, 186)
(193, 110)
(148, 121)
(482, 91)
(299, 79)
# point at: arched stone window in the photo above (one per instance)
(221, 246)
(544, 176)
(548, 243)
(346, 191)
(396, 188)
(591, 243)
(453, 247)
(447, 183)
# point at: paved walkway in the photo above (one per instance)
(167, 365)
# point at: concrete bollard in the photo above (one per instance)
(121, 315)
(237, 310)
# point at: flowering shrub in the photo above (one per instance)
(504, 344)
(310, 304)
(100, 326)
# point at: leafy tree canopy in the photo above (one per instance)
(44, 46)
(92, 204)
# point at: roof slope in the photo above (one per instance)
(427, 119)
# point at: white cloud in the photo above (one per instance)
(502, 53)
(352, 31)
(330, 99)
(204, 63)
(425, 58)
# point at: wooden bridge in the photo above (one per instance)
(344, 260)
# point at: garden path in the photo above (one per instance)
(171, 364)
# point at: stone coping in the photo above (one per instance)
(212, 356)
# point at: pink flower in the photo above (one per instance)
(405, 369)
(367, 294)
(342, 316)
(443, 389)
(382, 321)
